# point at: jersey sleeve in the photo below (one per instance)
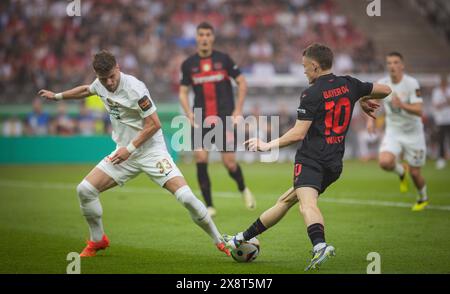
(362, 88)
(308, 107)
(144, 103)
(185, 77)
(93, 88)
(415, 95)
(232, 68)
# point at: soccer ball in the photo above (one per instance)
(247, 251)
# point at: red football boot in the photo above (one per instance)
(92, 247)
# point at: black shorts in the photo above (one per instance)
(310, 173)
(224, 140)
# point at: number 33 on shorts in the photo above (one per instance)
(164, 166)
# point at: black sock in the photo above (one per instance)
(203, 181)
(254, 230)
(316, 233)
(238, 177)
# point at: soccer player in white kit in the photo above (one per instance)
(404, 133)
(140, 148)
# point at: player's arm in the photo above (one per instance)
(295, 134)
(183, 95)
(151, 125)
(413, 108)
(415, 102)
(379, 91)
(79, 92)
(242, 92)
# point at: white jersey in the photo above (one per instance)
(127, 106)
(441, 114)
(400, 121)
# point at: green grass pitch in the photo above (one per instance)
(40, 223)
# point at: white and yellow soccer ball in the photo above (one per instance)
(247, 251)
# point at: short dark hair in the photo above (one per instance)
(205, 25)
(321, 54)
(103, 62)
(395, 53)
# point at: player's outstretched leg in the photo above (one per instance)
(88, 193)
(268, 219)
(419, 182)
(197, 210)
(388, 162)
(315, 226)
(235, 172)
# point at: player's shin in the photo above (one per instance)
(91, 208)
(198, 212)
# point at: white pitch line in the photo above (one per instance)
(222, 194)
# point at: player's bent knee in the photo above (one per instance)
(307, 208)
(89, 201)
(187, 198)
(415, 172)
(387, 164)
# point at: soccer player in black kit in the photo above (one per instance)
(209, 72)
(322, 122)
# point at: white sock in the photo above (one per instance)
(423, 193)
(319, 246)
(198, 212)
(240, 236)
(399, 169)
(91, 208)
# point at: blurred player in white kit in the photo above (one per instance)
(404, 133)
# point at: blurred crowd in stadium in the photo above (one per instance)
(152, 38)
(40, 47)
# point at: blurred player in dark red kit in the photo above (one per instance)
(209, 72)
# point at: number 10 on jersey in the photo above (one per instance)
(333, 120)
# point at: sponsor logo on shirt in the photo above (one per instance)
(113, 108)
(208, 79)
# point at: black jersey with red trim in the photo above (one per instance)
(329, 104)
(210, 80)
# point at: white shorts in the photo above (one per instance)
(413, 148)
(156, 163)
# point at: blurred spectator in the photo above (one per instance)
(343, 63)
(261, 49)
(151, 38)
(12, 127)
(441, 113)
(62, 124)
(86, 121)
(37, 122)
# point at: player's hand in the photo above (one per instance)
(190, 116)
(369, 107)
(236, 116)
(256, 144)
(396, 102)
(120, 156)
(47, 94)
(371, 126)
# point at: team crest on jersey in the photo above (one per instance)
(206, 67)
(145, 103)
(218, 65)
